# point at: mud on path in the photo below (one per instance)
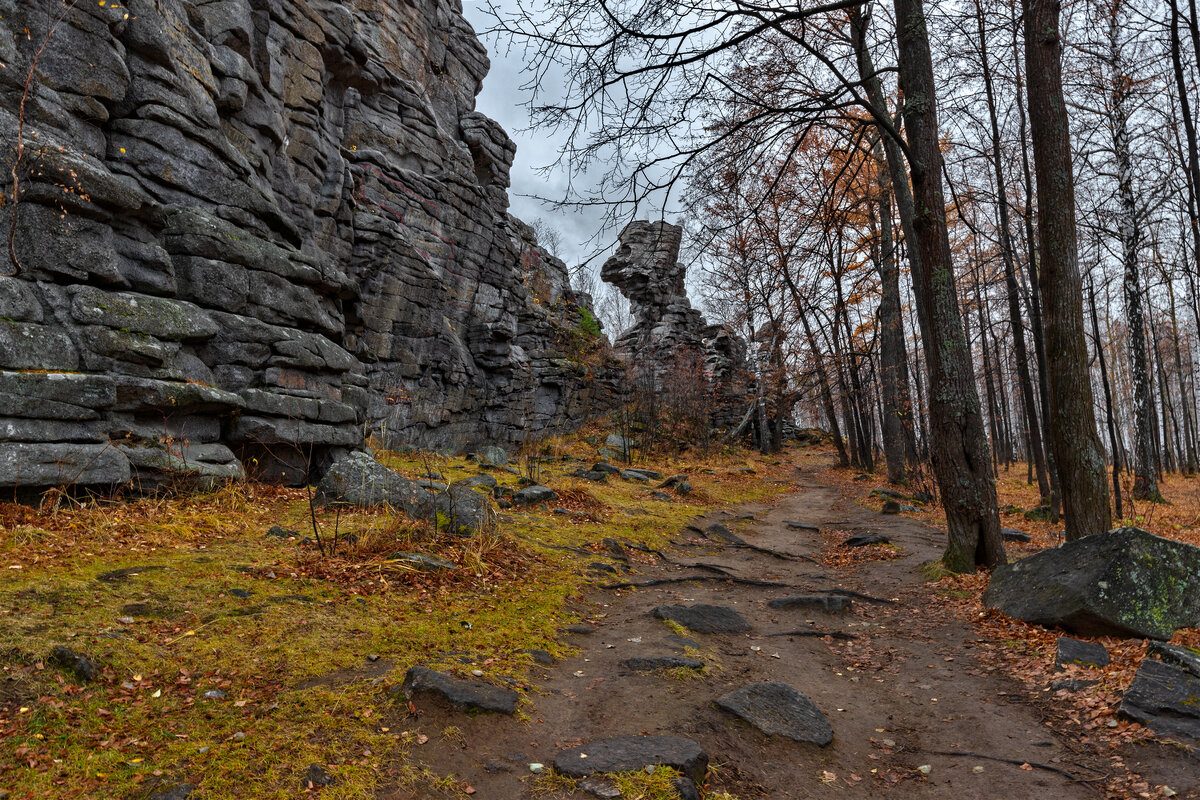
(903, 693)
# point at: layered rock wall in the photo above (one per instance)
(246, 233)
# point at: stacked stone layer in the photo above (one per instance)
(249, 233)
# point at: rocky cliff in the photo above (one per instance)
(247, 233)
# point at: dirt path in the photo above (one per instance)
(908, 688)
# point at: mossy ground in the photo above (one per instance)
(284, 633)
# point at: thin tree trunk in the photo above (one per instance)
(1077, 451)
(1108, 406)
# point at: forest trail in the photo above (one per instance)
(907, 690)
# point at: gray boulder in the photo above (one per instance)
(462, 695)
(532, 495)
(1126, 582)
(633, 753)
(704, 618)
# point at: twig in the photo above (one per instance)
(818, 634)
(698, 579)
(1013, 761)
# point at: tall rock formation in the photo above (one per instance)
(246, 233)
(670, 341)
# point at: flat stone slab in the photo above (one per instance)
(532, 495)
(651, 663)
(863, 539)
(831, 603)
(631, 753)
(704, 618)
(777, 709)
(463, 695)
(1080, 653)
(1163, 697)
(802, 526)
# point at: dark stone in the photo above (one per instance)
(683, 488)
(599, 787)
(673, 481)
(822, 602)
(888, 493)
(703, 618)
(495, 766)
(686, 789)
(893, 507)
(580, 630)
(866, 538)
(316, 777)
(682, 642)
(83, 668)
(482, 479)
(663, 496)
(600, 566)
(463, 695)
(540, 656)
(116, 575)
(532, 495)
(1126, 582)
(651, 663)
(1040, 514)
(1164, 698)
(1014, 535)
(634, 475)
(802, 526)
(1080, 653)
(592, 475)
(720, 533)
(1185, 658)
(181, 792)
(241, 594)
(777, 709)
(421, 562)
(633, 753)
(607, 469)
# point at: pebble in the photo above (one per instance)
(478, 673)
(126, 620)
(372, 658)
(239, 736)
(203, 750)
(925, 769)
(215, 694)
(537, 769)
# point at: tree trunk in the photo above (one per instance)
(958, 442)
(1076, 446)
(1108, 406)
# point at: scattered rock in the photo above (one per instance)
(744, 470)
(482, 479)
(598, 787)
(891, 494)
(673, 481)
(595, 476)
(116, 575)
(83, 668)
(540, 656)
(864, 539)
(241, 594)
(663, 496)
(630, 753)
(1163, 698)
(607, 469)
(215, 694)
(532, 495)
(1014, 535)
(496, 766)
(831, 603)
(682, 642)
(422, 562)
(1126, 582)
(279, 532)
(1080, 653)
(703, 618)
(614, 548)
(893, 507)
(600, 566)
(683, 488)
(640, 474)
(1040, 514)
(430, 485)
(686, 789)
(720, 533)
(802, 526)
(316, 777)
(181, 792)
(492, 456)
(1185, 658)
(634, 475)
(777, 709)
(651, 663)
(463, 695)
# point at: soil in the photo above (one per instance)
(904, 694)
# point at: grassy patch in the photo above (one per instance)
(233, 660)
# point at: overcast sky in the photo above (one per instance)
(502, 100)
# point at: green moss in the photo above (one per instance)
(589, 326)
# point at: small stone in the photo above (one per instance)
(478, 673)
(540, 656)
(630, 753)
(215, 694)
(863, 539)
(239, 736)
(537, 769)
(1014, 535)
(532, 495)
(463, 695)
(496, 766)
(925, 769)
(241, 594)
(279, 532)
(1080, 653)
(316, 776)
(599, 788)
(704, 618)
(777, 709)
(372, 658)
(181, 792)
(66, 658)
(126, 620)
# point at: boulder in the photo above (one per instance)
(1014, 535)
(461, 694)
(607, 469)
(532, 495)
(777, 709)
(704, 618)
(1080, 653)
(633, 753)
(1126, 582)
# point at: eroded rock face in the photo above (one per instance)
(250, 233)
(670, 344)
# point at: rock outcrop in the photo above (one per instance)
(670, 343)
(249, 233)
